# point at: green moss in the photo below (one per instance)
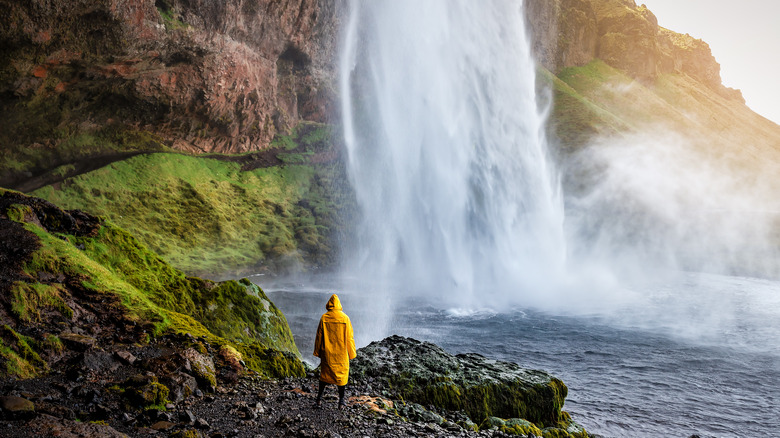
(513, 426)
(189, 433)
(171, 19)
(27, 300)
(18, 357)
(271, 363)
(243, 313)
(53, 344)
(109, 261)
(540, 404)
(210, 217)
(146, 392)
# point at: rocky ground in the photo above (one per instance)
(100, 394)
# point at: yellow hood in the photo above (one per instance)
(333, 303)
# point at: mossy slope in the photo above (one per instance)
(218, 215)
(84, 273)
(596, 100)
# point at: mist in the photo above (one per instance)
(664, 234)
(657, 201)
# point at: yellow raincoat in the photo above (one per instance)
(334, 344)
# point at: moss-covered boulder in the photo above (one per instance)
(483, 388)
(202, 368)
(144, 391)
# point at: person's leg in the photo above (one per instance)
(319, 393)
(341, 396)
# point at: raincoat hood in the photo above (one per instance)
(333, 303)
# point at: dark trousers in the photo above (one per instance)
(322, 389)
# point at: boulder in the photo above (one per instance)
(145, 391)
(16, 407)
(181, 385)
(77, 342)
(202, 368)
(424, 373)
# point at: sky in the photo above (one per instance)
(744, 37)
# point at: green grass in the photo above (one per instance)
(113, 263)
(209, 217)
(171, 19)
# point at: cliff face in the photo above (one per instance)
(194, 75)
(569, 33)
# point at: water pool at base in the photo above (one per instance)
(627, 376)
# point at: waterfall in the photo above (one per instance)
(447, 153)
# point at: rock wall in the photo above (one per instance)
(205, 76)
(568, 33)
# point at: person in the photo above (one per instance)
(335, 346)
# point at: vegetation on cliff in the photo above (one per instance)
(79, 274)
(217, 215)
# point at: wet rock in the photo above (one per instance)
(181, 385)
(146, 390)
(77, 342)
(16, 407)
(55, 410)
(126, 357)
(186, 433)
(187, 417)
(202, 368)
(424, 373)
(201, 423)
(48, 426)
(162, 425)
(97, 361)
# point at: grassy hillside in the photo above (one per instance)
(74, 272)
(217, 215)
(597, 101)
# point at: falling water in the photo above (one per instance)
(447, 152)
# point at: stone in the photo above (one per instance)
(187, 417)
(48, 426)
(77, 342)
(97, 361)
(146, 390)
(55, 410)
(181, 386)
(162, 425)
(16, 407)
(200, 423)
(424, 373)
(203, 368)
(126, 357)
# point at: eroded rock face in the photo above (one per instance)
(205, 76)
(563, 32)
(424, 373)
(566, 33)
